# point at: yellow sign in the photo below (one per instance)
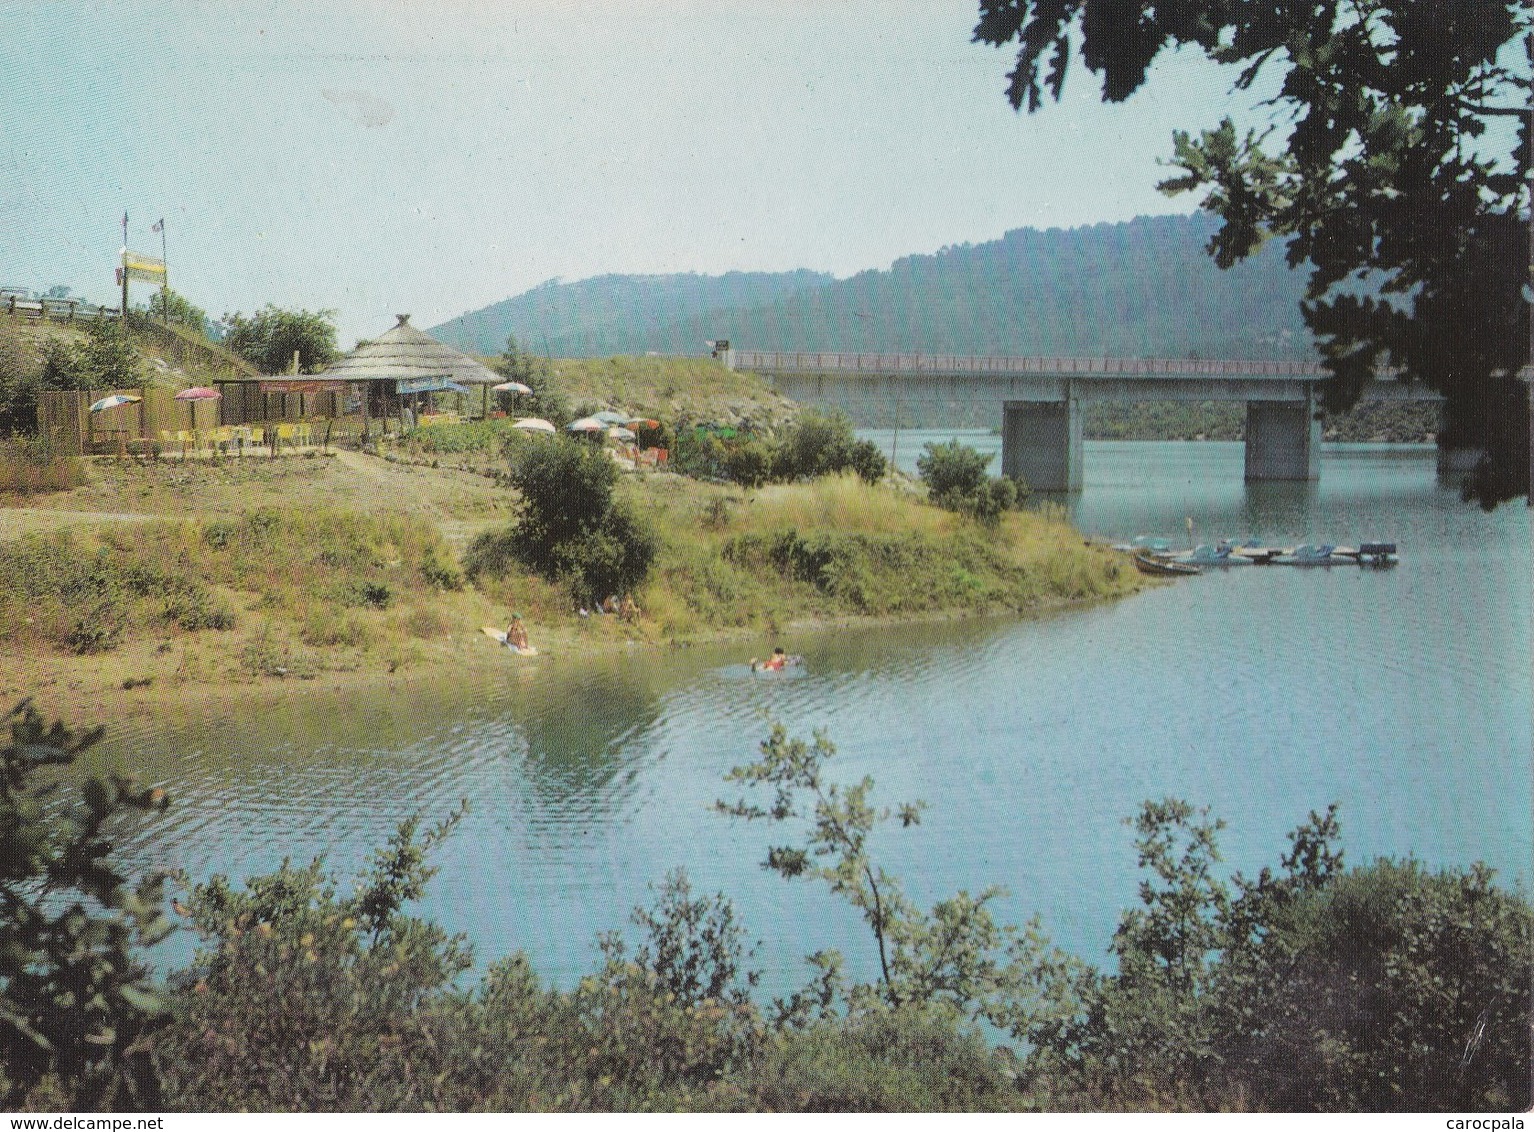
(144, 267)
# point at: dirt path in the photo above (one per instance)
(461, 503)
(18, 521)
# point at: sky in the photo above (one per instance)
(438, 156)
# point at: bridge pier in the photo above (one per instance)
(1041, 443)
(1458, 461)
(1283, 440)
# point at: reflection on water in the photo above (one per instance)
(1262, 692)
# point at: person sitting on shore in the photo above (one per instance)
(516, 633)
(609, 604)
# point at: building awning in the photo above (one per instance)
(294, 385)
(428, 385)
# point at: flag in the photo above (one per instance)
(160, 227)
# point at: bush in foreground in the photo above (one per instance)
(1383, 988)
(77, 1008)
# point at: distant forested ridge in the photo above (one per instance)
(1145, 288)
(618, 314)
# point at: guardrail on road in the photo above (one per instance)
(59, 310)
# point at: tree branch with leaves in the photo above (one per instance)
(955, 959)
(77, 1006)
(1388, 166)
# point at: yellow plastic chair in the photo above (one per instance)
(258, 436)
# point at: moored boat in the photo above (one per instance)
(1146, 544)
(1308, 555)
(1162, 567)
(1206, 555)
(1374, 554)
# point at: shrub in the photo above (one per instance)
(698, 453)
(364, 594)
(327, 627)
(956, 480)
(194, 608)
(951, 469)
(676, 1015)
(1384, 988)
(717, 514)
(748, 464)
(303, 1000)
(819, 445)
(106, 358)
(77, 1007)
(1389, 988)
(269, 653)
(906, 1060)
(426, 622)
(865, 459)
(440, 573)
(693, 947)
(98, 632)
(570, 528)
(955, 961)
(546, 400)
(220, 533)
(491, 554)
(33, 464)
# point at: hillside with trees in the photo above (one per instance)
(619, 314)
(1146, 288)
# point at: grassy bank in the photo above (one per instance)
(268, 571)
(838, 548)
(698, 389)
(310, 589)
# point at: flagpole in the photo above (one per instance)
(124, 258)
(164, 279)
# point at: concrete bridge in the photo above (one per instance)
(1040, 399)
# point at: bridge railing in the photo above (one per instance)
(812, 361)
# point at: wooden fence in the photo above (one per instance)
(244, 403)
(64, 417)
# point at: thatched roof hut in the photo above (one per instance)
(376, 379)
(413, 361)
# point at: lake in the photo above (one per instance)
(1264, 693)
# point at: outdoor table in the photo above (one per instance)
(114, 439)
